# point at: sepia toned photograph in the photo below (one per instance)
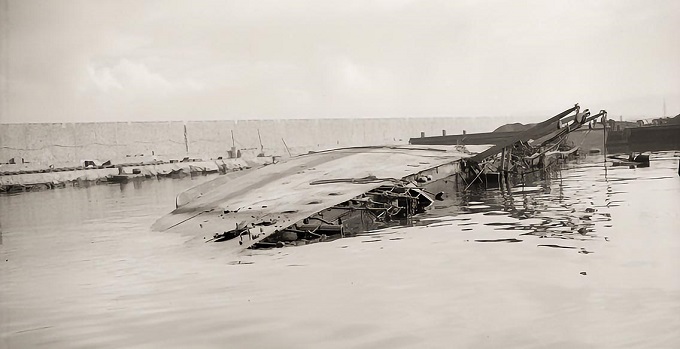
(339, 174)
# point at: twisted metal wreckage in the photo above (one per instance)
(334, 193)
(536, 149)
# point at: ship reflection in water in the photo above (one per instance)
(585, 258)
(561, 210)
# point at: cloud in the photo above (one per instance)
(134, 77)
(154, 60)
(103, 79)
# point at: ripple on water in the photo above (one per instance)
(574, 206)
(92, 275)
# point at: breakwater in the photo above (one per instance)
(72, 143)
(37, 180)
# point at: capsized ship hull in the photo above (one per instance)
(246, 209)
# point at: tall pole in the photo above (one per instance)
(664, 107)
(286, 145)
(604, 133)
(233, 152)
(508, 157)
(501, 170)
(186, 140)
(604, 142)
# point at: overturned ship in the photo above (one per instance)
(314, 196)
(329, 194)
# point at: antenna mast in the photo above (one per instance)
(664, 107)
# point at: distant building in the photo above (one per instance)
(621, 125)
(659, 121)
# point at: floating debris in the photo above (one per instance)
(498, 240)
(557, 246)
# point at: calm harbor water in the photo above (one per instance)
(586, 259)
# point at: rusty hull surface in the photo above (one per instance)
(274, 197)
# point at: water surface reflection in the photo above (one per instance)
(566, 209)
(586, 259)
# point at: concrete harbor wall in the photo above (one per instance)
(50, 179)
(71, 143)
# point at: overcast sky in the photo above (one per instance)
(66, 61)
